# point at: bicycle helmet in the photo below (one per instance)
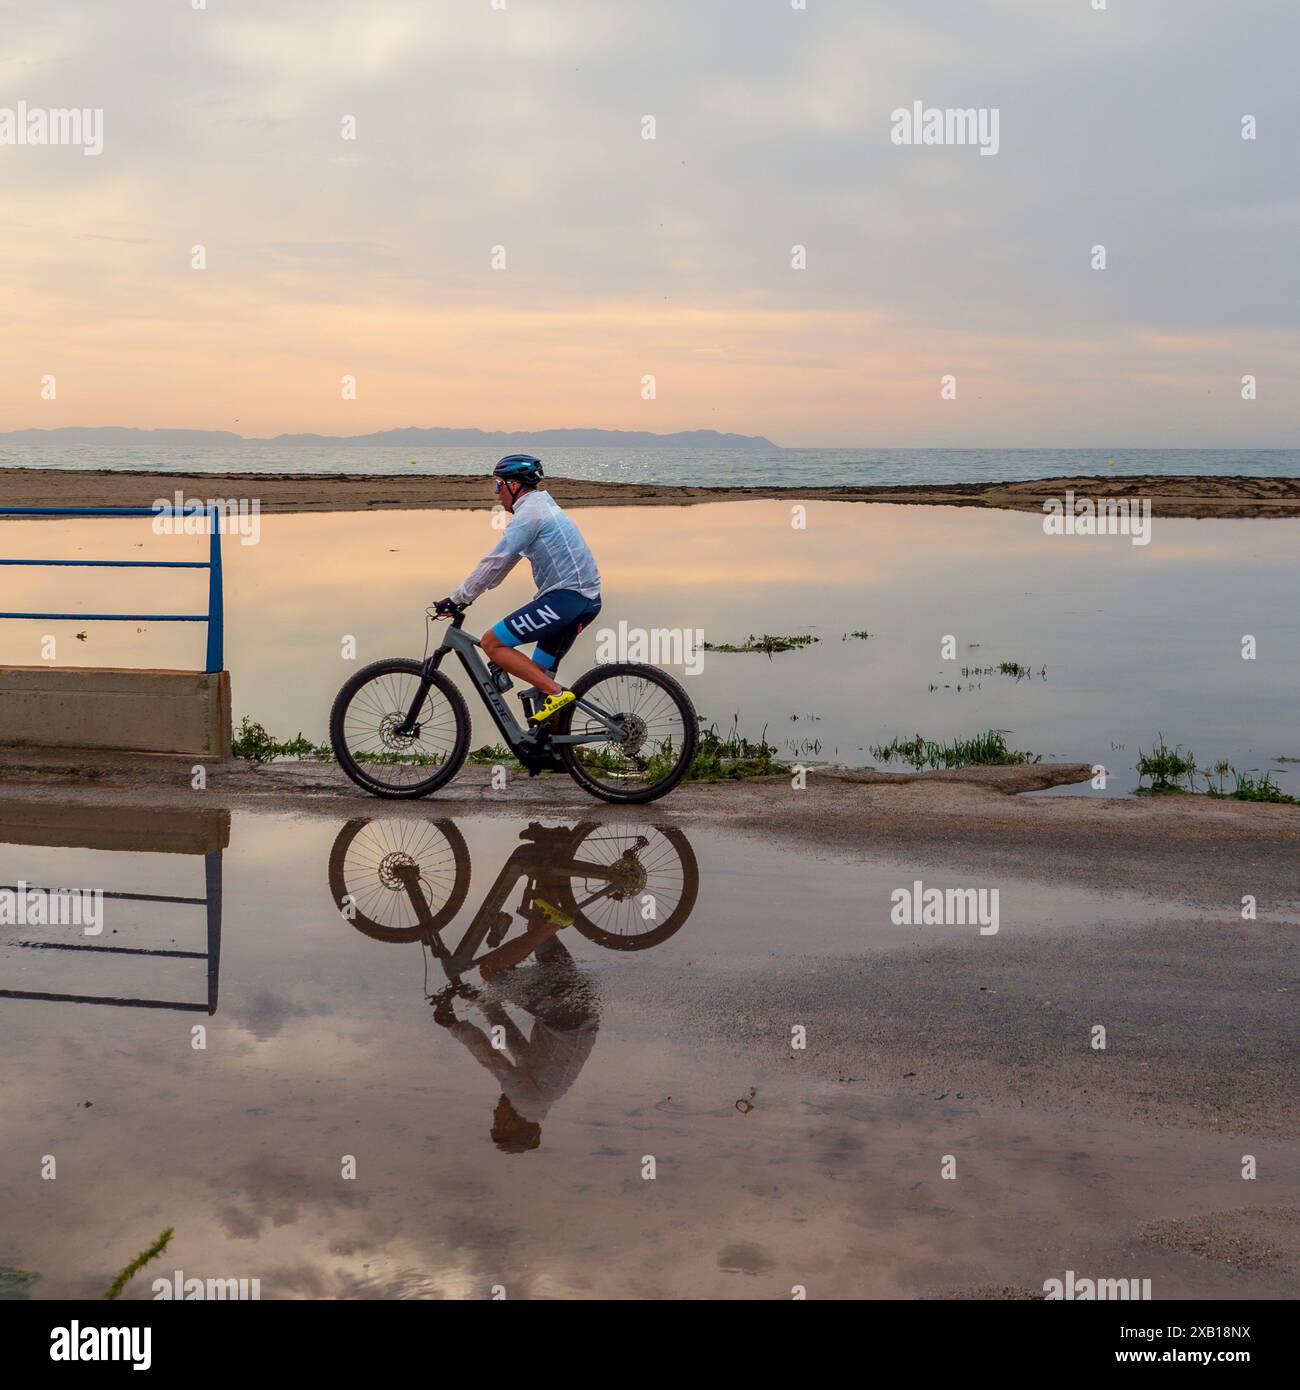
(519, 468)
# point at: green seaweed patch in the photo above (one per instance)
(1017, 670)
(988, 749)
(730, 756)
(1173, 771)
(767, 644)
(128, 1272)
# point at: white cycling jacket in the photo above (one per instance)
(554, 546)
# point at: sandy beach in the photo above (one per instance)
(1187, 496)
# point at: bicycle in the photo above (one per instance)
(625, 886)
(407, 880)
(400, 728)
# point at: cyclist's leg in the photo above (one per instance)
(552, 646)
(544, 621)
(513, 660)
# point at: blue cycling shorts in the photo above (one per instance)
(553, 621)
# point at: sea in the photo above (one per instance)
(732, 467)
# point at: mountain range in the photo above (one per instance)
(409, 437)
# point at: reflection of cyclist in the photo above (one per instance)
(568, 583)
(534, 1071)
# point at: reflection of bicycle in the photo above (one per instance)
(400, 728)
(624, 887)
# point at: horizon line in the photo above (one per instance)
(759, 440)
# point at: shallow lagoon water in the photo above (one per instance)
(329, 1037)
(1136, 640)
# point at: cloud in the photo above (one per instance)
(522, 128)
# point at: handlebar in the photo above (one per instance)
(444, 608)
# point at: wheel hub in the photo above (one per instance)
(628, 877)
(389, 736)
(635, 735)
(396, 869)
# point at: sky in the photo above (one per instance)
(520, 124)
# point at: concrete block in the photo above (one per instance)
(131, 711)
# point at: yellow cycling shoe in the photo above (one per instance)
(554, 704)
(553, 913)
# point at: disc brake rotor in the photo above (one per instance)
(627, 876)
(391, 739)
(396, 869)
(635, 734)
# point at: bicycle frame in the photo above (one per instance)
(519, 740)
(490, 924)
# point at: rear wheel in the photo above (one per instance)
(366, 722)
(628, 887)
(660, 733)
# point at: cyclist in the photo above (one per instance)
(568, 583)
(534, 1072)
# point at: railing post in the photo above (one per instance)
(216, 633)
(212, 899)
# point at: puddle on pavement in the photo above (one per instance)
(1118, 642)
(351, 980)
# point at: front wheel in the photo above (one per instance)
(367, 722)
(399, 880)
(661, 733)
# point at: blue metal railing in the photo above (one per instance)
(214, 617)
(210, 902)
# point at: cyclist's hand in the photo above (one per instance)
(445, 608)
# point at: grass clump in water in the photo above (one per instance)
(1172, 770)
(1167, 768)
(719, 758)
(984, 750)
(766, 644)
(1252, 787)
(1017, 670)
(731, 756)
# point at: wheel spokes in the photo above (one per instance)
(374, 718)
(388, 860)
(656, 732)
